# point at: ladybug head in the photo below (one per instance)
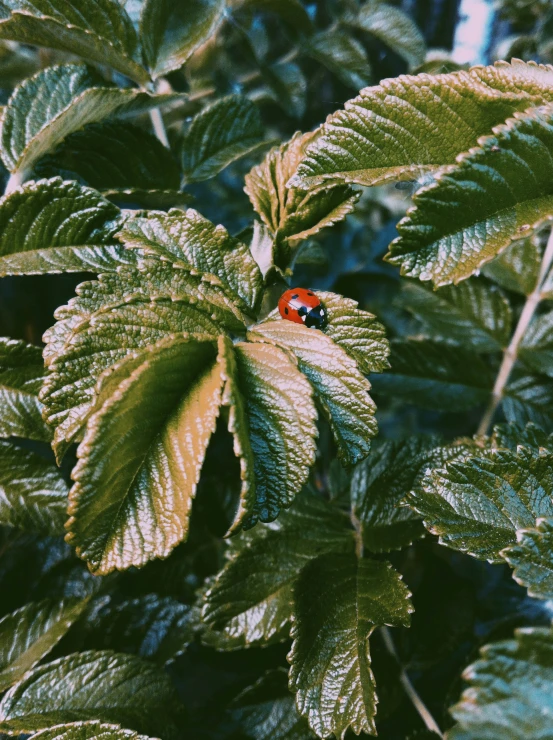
(316, 317)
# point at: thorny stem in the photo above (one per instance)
(417, 702)
(511, 353)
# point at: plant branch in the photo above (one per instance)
(410, 690)
(159, 126)
(15, 181)
(511, 353)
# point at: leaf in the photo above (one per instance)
(106, 686)
(378, 486)
(536, 348)
(508, 177)
(394, 28)
(154, 627)
(293, 215)
(531, 558)
(281, 415)
(473, 314)
(29, 634)
(123, 515)
(340, 388)
(33, 493)
(343, 55)
(251, 598)
(528, 398)
(113, 156)
(171, 32)
(21, 375)
(87, 731)
(517, 267)
(291, 12)
(338, 603)
(56, 226)
(476, 505)
(97, 30)
(288, 87)
(513, 435)
(267, 711)
(435, 376)
(407, 126)
(54, 103)
(510, 690)
(190, 240)
(221, 133)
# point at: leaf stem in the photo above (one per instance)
(417, 702)
(159, 126)
(15, 181)
(511, 353)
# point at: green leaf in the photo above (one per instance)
(171, 32)
(29, 633)
(529, 398)
(476, 505)
(338, 603)
(407, 126)
(517, 267)
(473, 314)
(435, 376)
(494, 194)
(513, 435)
(293, 215)
(126, 515)
(267, 710)
(340, 388)
(221, 133)
(92, 730)
(343, 55)
(510, 690)
(21, 376)
(251, 598)
(34, 493)
(154, 627)
(532, 559)
(97, 30)
(113, 156)
(280, 413)
(291, 12)
(536, 348)
(56, 226)
(190, 240)
(378, 486)
(287, 87)
(394, 28)
(105, 686)
(56, 101)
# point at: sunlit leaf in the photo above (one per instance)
(91, 730)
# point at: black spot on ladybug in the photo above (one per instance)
(310, 293)
(294, 297)
(286, 311)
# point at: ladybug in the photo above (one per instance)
(302, 306)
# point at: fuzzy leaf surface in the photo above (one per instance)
(394, 28)
(434, 376)
(406, 126)
(339, 601)
(33, 493)
(171, 32)
(47, 107)
(135, 479)
(91, 730)
(474, 210)
(112, 157)
(340, 388)
(292, 214)
(97, 30)
(221, 133)
(510, 690)
(191, 240)
(21, 376)
(251, 599)
(29, 633)
(532, 559)
(55, 226)
(280, 413)
(473, 314)
(478, 504)
(101, 685)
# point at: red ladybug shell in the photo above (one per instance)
(302, 306)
